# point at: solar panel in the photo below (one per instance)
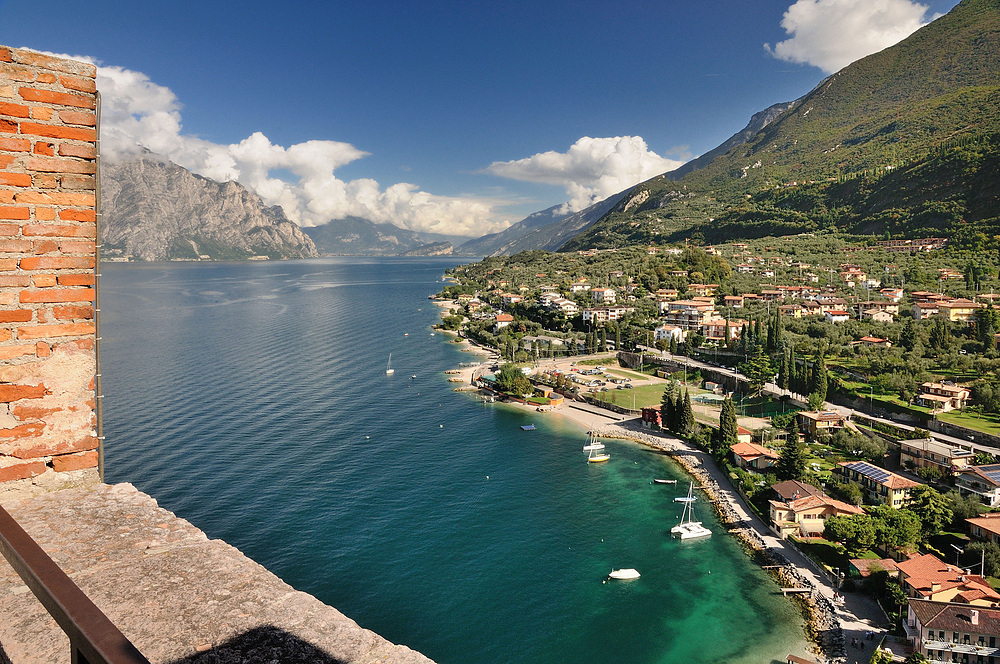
(993, 475)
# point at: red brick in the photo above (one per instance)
(10, 352)
(76, 279)
(59, 330)
(5, 55)
(41, 113)
(78, 182)
(55, 198)
(46, 77)
(45, 247)
(8, 264)
(7, 126)
(21, 470)
(15, 246)
(78, 84)
(6, 160)
(9, 393)
(57, 263)
(59, 165)
(77, 247)
(14, 110)
(14, 213)
(59, 230)
(23, 430)
(25, 412)
(15, 281)
(53, 131)
(44, 281)
(45, 181)
(34, 448)
(57, 98)
(5, 333)
(6, 196)
(78, 118)
(55, 64)
(45, 214)
(42, 349)
(15, 179)
(57, 295)
(41, 147)
(82, 151)
(76, 461)
(15, 144)
(16, 316)
(78, 215)
(72, 313)
(10, 230)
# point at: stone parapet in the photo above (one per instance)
(175, 594)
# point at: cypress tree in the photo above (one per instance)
(820, 380)
(728, 429)
(791, 460)
(667, 409)
(783, 370)
(686, 420)
(604, 339)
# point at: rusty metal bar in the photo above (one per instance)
(93, 638)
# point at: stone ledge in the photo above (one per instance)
(177, 595)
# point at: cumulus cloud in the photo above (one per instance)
(832, 34)
(591, 170)
(140, 116)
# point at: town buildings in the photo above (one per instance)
(880, 485)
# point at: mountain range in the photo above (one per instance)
(904, 141)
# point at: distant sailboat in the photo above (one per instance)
(596, 450)
(388, 366)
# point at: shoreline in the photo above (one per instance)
(822, 626)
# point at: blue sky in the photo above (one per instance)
(451, 117)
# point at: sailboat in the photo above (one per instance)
(688, 528)
(596, 450)
(388, 366)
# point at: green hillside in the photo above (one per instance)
(904, 141)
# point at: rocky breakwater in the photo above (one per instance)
(822, 623)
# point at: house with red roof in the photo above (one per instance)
(880, 485)
(929, 577)
(753, 456)
(952, 632)
(806, 516)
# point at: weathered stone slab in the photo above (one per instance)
(178, 596)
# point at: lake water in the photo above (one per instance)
(252, 400)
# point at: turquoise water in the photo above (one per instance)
(252, 400)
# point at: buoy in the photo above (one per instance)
(440, 426)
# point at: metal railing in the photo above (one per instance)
(93, 638)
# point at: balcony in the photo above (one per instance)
(960, 648)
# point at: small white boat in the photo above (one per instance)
(388, 366)
(688, 528)
(658, 481)
(624, 574)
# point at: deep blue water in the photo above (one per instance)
(252, 400)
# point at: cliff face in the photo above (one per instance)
(159, 211)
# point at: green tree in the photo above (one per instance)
(819, 383)
(988, 553)
(728, 431)
(791, 460)
(686, 420)
(668, 406)
(931, 508)
(511, 379)
(908, 337)
(898, 529)
(758, 371)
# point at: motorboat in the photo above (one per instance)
(658, 481)
(624, 574)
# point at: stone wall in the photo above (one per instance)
(48, 254)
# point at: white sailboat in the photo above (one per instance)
(596, 450)
(388, 366)
(688, 528)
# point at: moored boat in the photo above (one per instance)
(624, 574)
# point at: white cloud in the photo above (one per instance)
(139, 115)
(832, 34)
(591, 170)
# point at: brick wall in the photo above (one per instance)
(48, 221)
